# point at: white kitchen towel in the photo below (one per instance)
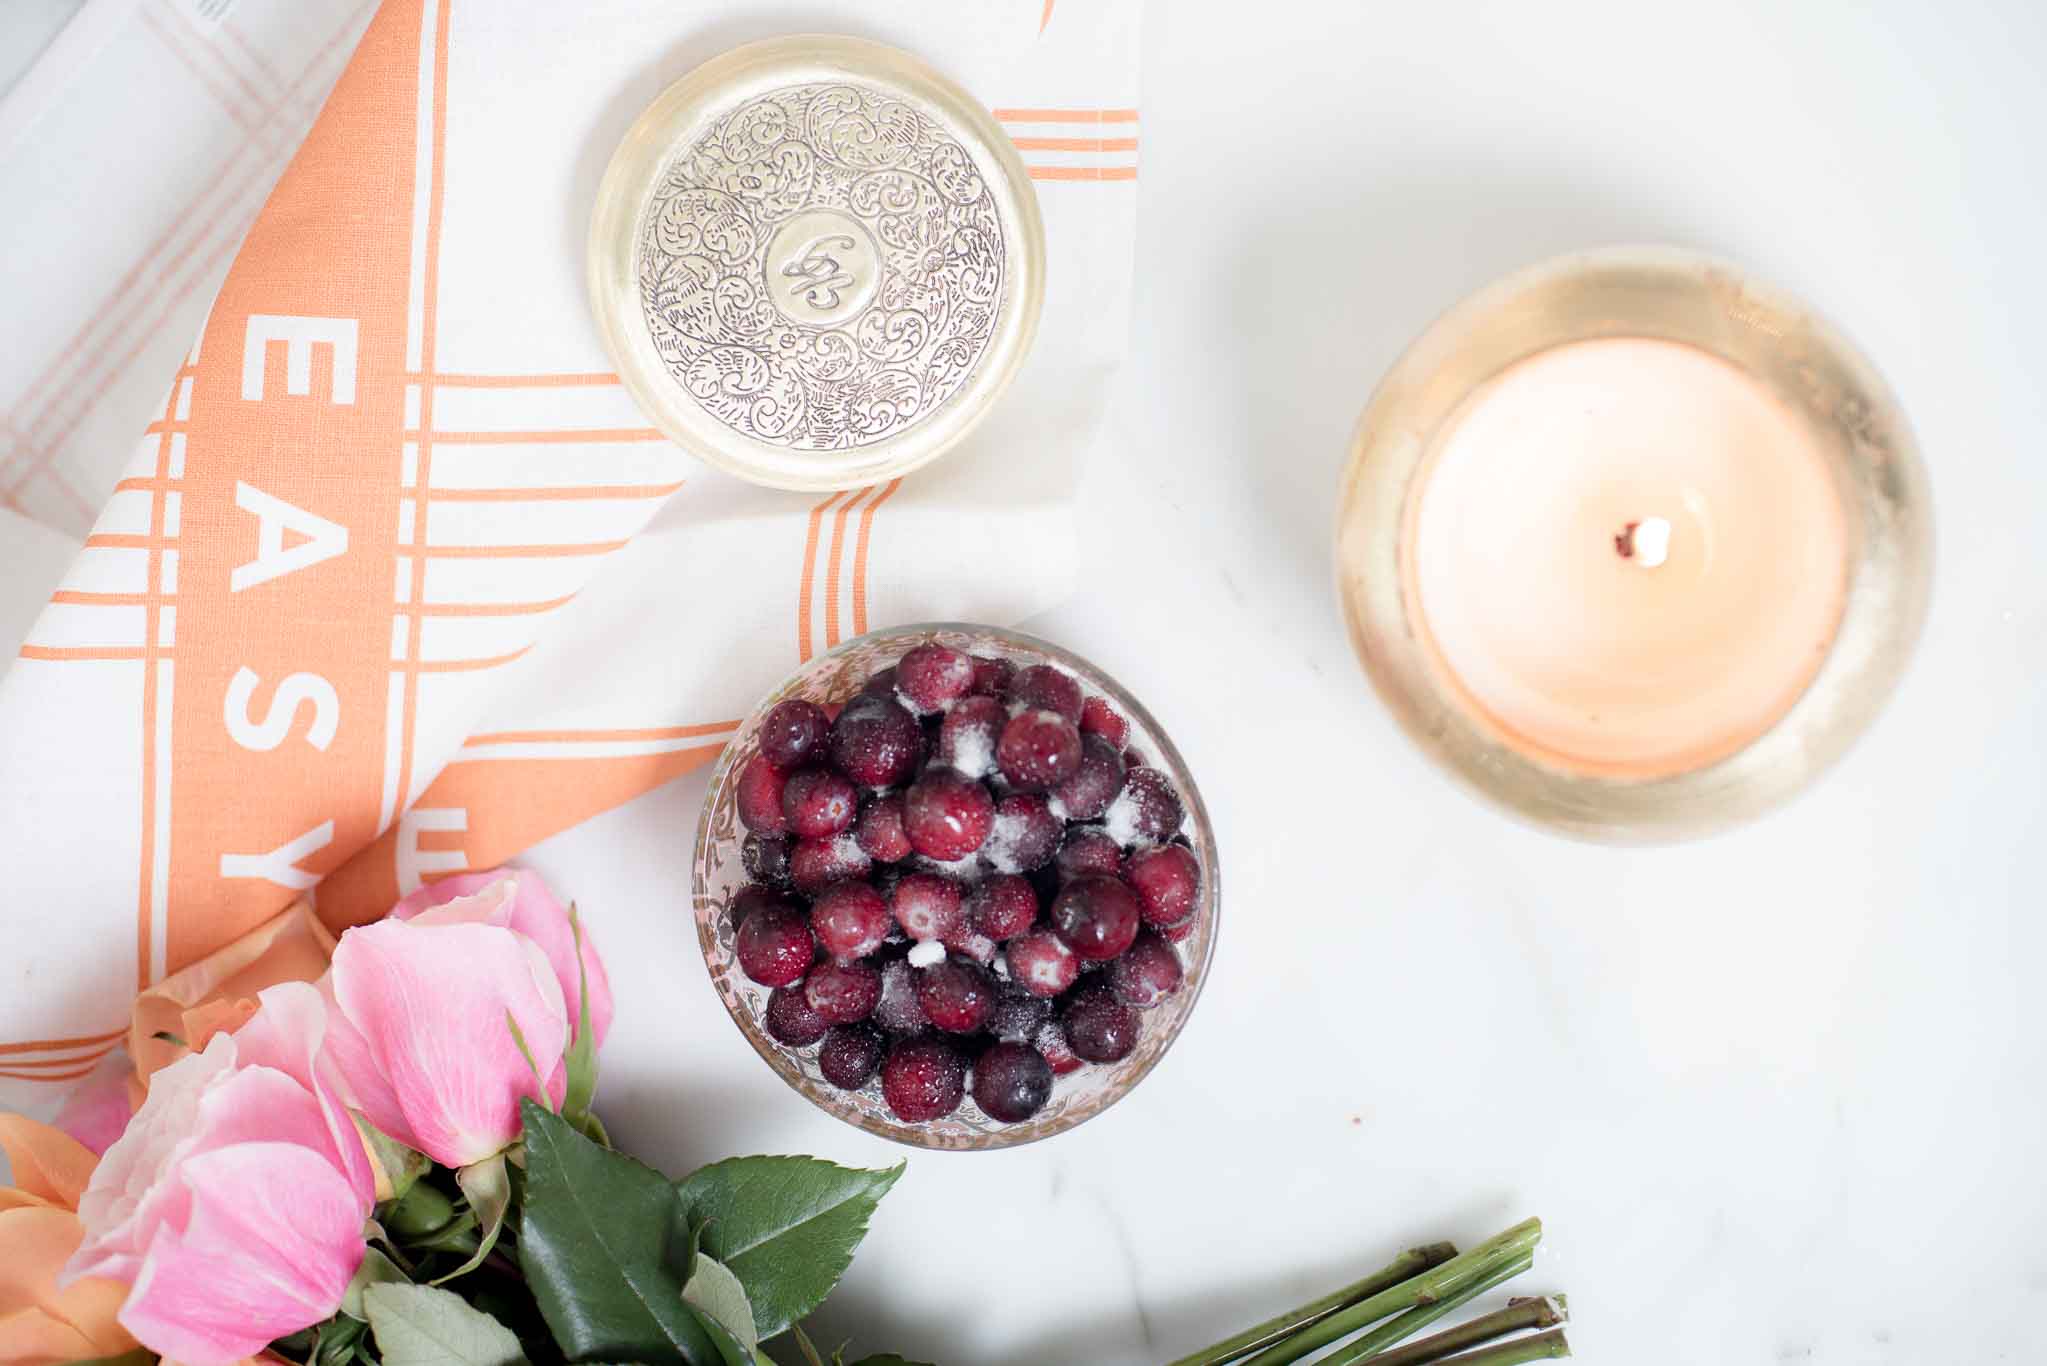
(345, 646)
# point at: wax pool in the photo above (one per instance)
(1628, 557)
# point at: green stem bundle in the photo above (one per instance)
(1370, 1347)
(1541, 1347)
(1516, 1317)
(1406, 1266)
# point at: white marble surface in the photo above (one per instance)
(1778, 1095)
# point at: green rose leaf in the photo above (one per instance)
(716, 1294)
(594, 1244)
(785, 1226)
(376, 1269)
(417, 1325)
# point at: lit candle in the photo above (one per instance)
(1628, 554)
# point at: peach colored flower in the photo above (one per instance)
(39, 1230)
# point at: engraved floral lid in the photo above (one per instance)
(816, 262)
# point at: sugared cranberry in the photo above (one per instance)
(766, 858)
(932, 677)
(1094, 784)
(818, 803)
(1053, 1047)
(897, 1011)
(947, 814)
(1147, 974)
(992, 676)
(760, 797)
(1166, 880)
(881, 683)
(1097, 916)
(1099, 1027)
(923, 1079)
(1024, 836)
(875, 742)
(774, 945)
(843, 993)
(816, 864)
(879, 830)
(1147, 810)
(1097, 717)
(1044, 688)
(751, 898)
(1002, 907)
(1038, 749)
(1042, 963)
(850, 1057)
(968, 736)
(1089, 850)
(850, 920)
(793, 734)
(926, 905)
(1019, 1016)
(790, 1019)
(957, 996)
(969, 942)
(1012, 1082)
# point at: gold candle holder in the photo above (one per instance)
(1832, 394)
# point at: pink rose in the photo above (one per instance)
(423, 1032)
(233, 1205)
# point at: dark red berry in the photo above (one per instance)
(1044, 688)
(1146, 974)
(760, 798)
(1042, 963)
(843, 993)
(992, 676)
(1094, 784)
(923, 1079)
(774, 945)
(1089, 850)
(1134, 758)
(880, 683)
(766, 858)
(751, 898)
(1002, 907)
(1174, 934)
(1038, 749)
(1099, 1027)
(818, 803)
(947, 815)
(1053, 1047)
(1012, 1082)
(850, 1057)
(850, 920)
(1024, 836)
(1097, 916)
(932, 677)
(816, 864)
(1147, 810)
(879, 831)
(1019, 1016)
(967, 739)
(1097, 717)
(1166, 880)
(969, 942)
(926, 905)
(875, 742)
(793, 734)
(957, 996)
(897, 1011)
(790, 1019)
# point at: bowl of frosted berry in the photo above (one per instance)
(955, 886)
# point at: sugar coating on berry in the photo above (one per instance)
(1012, 1082)
(816, 864)
(1019, 1016)
(923, 1079)
(1100, 1028)
(1147, 811)
(897, 1010)
(1097, 916)
(766, 858)
(1089, 850)
(947, 814)
(1053, 1047)
(931, 677)
(843, 993)
(1042, 963)
(879, 829)
(958, 996)
(1094, 784)
(926, 906)
(1002, 907)
(818, 803)
(925, 952)
(967, 738)
(1147, 973)
(875, 742)
(791, 1021)
(1044, 687)
(851, 1056)
(1038, 749)
(850, 920)
(1024, 834)
(1167, 879)
(1097, 717)
(759, 797)
(793, 733)
(774, 946)
(969, 942)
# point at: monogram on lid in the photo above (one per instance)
(816, 262)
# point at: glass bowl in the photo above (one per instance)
(836, 676)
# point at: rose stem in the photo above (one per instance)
(1437, 1283)
(1372, 1344)
(1406, 1266)
(1533, 1313)
(1541, 1347)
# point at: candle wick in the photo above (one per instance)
(1646, 542)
